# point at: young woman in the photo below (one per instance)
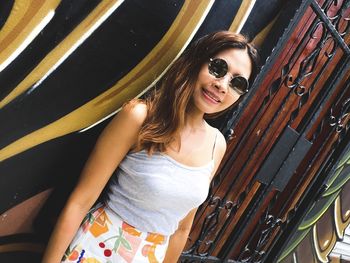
(157, 158)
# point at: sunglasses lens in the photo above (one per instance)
(240, 84)
(218, 67)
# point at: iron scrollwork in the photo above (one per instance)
(255, 255)
(339, 17)
(213, 222)
(308, 65)
(338, 122)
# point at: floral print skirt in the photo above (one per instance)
(104, 238)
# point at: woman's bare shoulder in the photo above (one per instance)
(221, 143)
(220, 149)
(127, 123)
(220, 146)
(134, 110)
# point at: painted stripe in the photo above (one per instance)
(26, 20)
(64, 49)
(27, 40)
(205, 13)
(75, 45)
(132, 85)
(341, 221)
(242, 15)
(322, 254)
(260, 37)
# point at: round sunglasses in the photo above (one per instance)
(218, 67)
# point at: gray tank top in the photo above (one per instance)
(154, 193)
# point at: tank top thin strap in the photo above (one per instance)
(212, 153)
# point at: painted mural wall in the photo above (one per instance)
(66, 67)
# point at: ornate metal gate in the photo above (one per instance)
(288, 137)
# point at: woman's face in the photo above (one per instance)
(216, 93)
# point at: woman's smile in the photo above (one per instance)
(211, 97)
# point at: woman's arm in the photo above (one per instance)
(178, 240)
(111, 147)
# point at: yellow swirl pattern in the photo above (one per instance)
(132, 85)
(24, 18)
(241, 16)
(63, 49)
(341, 220)
(323, 250)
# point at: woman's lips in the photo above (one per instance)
(210, 96)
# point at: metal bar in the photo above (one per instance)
(274, 56)
(326, 95)
(260, 112)
(245, 219)
(314, 106)
(199, 258)
(289, 166)
(314, 158)
(277, 155)
(343, 94)
(277, 240)
(325, 172)
(296, 19)
(253, 124)
(307, 94)
(330, 26)
(301, 137)
(256, 200)
(315, 115)
(289, 152)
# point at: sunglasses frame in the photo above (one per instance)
(214, 73)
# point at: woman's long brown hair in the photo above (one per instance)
(167, 106)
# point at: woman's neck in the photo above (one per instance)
(194, 119)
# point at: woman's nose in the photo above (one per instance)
(222, 84)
